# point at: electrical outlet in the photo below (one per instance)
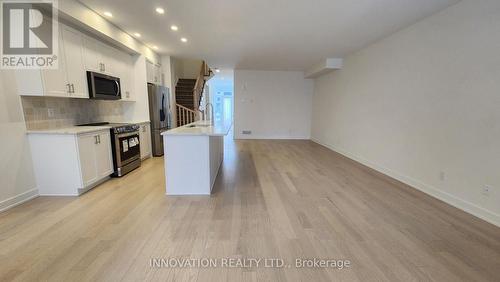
(246, 132)
(51, 112)
(486, 190)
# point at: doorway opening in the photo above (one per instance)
(221, 88)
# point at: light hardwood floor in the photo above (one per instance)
(273, 199)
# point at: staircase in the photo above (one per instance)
(188, 96)
(184, 93)
(184, 97)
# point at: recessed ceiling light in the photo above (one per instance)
(217, 70)
(184, 39)
(160, 11)
(137, 34)
(155, 47)
(108, 14)
(174, 27)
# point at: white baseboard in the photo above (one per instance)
(450, 199)
(19, 199)
(266, 137)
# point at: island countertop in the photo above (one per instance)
(70, 130)
(201, 128)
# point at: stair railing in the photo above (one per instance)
(185, 115)
(205, 74)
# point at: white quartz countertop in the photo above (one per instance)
(201, 128)
(72, 130)
(75, 130)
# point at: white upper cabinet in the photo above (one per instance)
(73, 50)
(125, 71)
(153, 73)
(92, 55)
(150, 72)
(100, 57)
(78, 53)
(55, 81)
(157, 77)
(111, 59)
(68, 80)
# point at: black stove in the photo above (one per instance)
(116, 127)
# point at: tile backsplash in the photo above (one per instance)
(54, 112)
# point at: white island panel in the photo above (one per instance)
(186, 165)
(193, 157)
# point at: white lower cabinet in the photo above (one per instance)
(71, 164)
(88, 158)
(145, 140)
(94, 151)
(104, 155)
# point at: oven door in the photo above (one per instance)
(127, 148)
(103, 87)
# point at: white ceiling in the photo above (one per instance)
(265, 34)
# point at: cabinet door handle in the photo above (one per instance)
(69, 87)
(99, 138)
(95, 141)
(72, 88)
(103, 67)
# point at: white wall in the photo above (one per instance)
(272, 104)
(186, 68)
(424, 101)
(17, 179)
(78, 14)
(166, 69)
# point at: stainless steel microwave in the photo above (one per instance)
(103, 87)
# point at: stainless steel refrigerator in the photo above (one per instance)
(159, 115)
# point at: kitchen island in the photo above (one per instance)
(193, 156)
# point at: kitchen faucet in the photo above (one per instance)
(211, 113)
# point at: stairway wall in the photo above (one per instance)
(186, 68)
